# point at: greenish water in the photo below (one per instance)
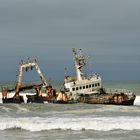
(130, 85)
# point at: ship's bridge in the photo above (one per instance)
(88, 84)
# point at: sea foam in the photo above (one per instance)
(97, 124)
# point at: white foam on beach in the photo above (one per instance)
(97, 124)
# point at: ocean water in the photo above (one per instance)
(72, 121)
(108, 31)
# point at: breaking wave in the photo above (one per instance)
(97, 124)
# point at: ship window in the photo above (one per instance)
(80, 87)
(73, 89)
(76, 88)
(92, 85)
(98, 84)
(83, 87)
(89, 86)
(86, 86)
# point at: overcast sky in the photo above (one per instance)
(108, 32)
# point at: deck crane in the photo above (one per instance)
(28, 65)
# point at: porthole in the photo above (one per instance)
(73, 89)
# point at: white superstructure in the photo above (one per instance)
(81, 83)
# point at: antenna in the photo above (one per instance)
(74, 51)
(65, 71)
(80, 52)
(49, 81)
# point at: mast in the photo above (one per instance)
(79, 61)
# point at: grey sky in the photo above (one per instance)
(108, 31)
